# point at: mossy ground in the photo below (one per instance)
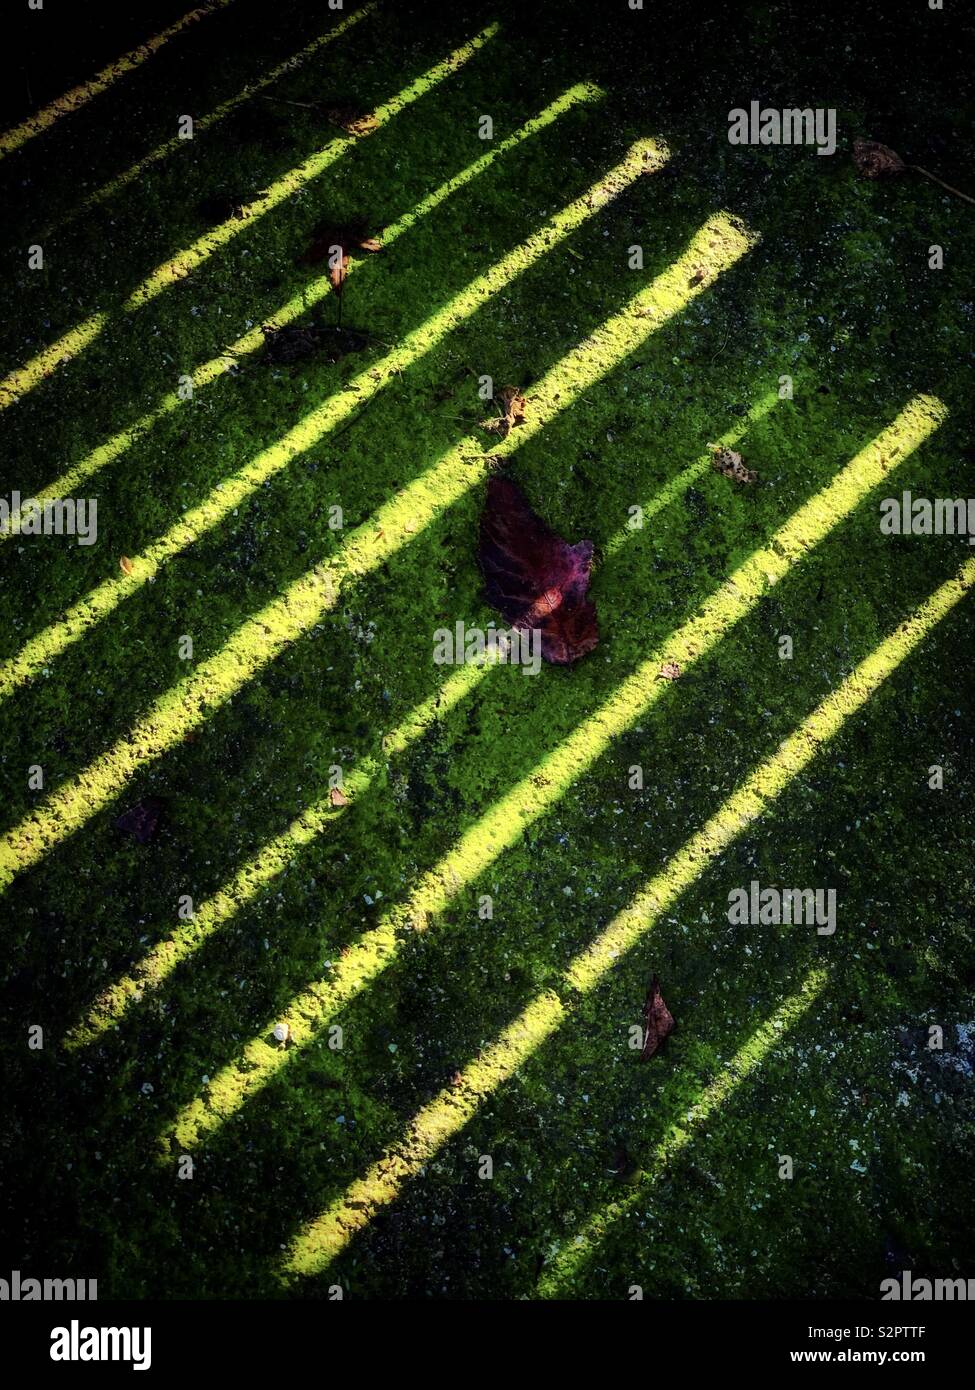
(838, 294)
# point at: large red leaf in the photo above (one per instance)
(535, 578)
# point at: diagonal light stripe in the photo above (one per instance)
(324, 1238)
(79, 96)
(219, 113)
(315, 426)
(265, 634)
(23, 379)
(676, 487)
(333, 411)
(274, 857)
(68, 483)
(271, 860)
(749, 1057)
(70, 345)
(503, 823)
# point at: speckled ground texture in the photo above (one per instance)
(607, 1171)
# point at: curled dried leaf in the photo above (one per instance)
(125, 564)
(874, 160)
(336, 242)
(512, 413)
(338, 269)
(658, 1022)
(731, 464)
(670, 671)
(338, 797)
(224, 207)
(352, 120)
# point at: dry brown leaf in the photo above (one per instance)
(347, 238)
(125, 564)
(512, 413)
(874, 160)
(658, 1022)
(338, 797)
(352, 120)
(227, 207)
(670, 671)
(731, 464)
(338, 269)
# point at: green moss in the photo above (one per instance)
(290, 678)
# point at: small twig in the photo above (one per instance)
(934, 179)
(356, 418)
(306, 105)
(722, 347)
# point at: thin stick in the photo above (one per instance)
(355, 419)
(307, 105)
(934, 179)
